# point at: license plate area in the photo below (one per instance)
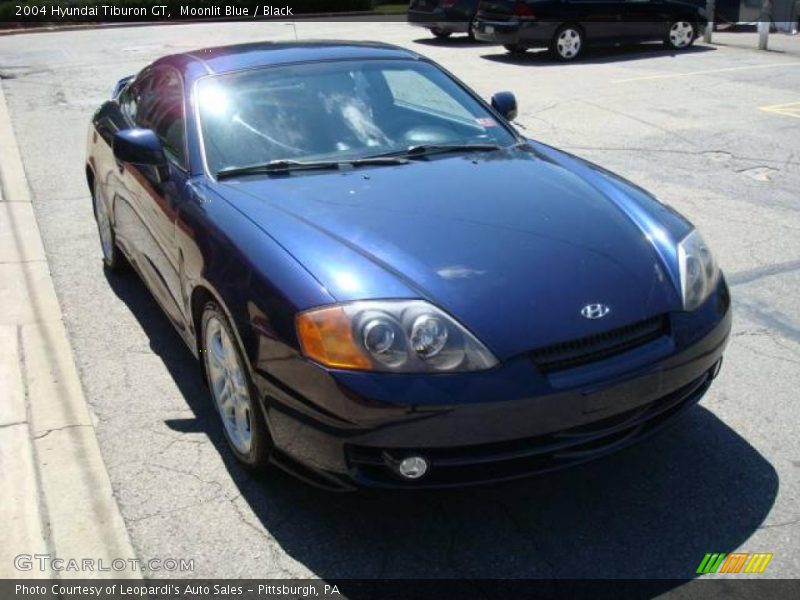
(623, 396)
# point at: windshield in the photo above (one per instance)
(337, 111)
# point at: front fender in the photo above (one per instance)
(258, 285)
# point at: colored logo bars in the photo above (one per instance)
(735, 562)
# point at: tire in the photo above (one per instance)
(232, 390)
(515, 49)
(568, 43)
(441, 33)
(112, 256)
(680, 35)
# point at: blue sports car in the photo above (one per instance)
(385, 284)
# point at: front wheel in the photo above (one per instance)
(441, 33)
(232, 391)
(681, 35)
(567, 43)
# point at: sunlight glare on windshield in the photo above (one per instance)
(214, 100)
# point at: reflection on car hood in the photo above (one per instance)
(512, 243)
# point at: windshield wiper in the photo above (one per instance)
(376, 160)
(287, 165)
(427, 149)
(276, 166)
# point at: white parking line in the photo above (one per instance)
(790, 109)
(707, 72)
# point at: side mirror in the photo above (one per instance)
(506, 104)
(138, 147)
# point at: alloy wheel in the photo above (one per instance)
(681, 34)
(229, 386)
(568, 43)
(104, 226)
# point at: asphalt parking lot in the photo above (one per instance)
(714, 132)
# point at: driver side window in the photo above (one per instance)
(130, 97)
(155, 101)
(161, 109)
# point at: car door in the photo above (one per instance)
(148, 214)
(601, 19)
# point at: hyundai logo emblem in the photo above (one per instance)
(595, 311)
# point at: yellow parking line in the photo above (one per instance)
(708, 72)
(789, 109)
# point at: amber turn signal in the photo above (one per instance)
(326, 336)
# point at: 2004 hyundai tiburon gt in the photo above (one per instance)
(384, 282)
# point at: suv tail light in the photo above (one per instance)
(523, 11)
(448, 3)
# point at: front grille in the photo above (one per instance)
(502, 461)
(575, 353)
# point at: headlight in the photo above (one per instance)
(408, 336)
(698, 269)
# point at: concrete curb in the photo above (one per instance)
(55, 494)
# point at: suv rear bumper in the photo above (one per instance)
(530, 34)
(447, 20)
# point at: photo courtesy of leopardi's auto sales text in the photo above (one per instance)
(399, 300)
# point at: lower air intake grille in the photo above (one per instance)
(575, 353)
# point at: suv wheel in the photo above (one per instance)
(567, 43)
(681, 35)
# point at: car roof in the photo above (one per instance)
(226, 59)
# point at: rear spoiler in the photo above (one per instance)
(120, 85)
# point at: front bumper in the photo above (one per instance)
(491, 426)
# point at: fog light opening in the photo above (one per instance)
(412, 467)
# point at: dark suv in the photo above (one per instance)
(443, 17)
(566, 27)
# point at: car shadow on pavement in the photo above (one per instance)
(456, 41)
(651, 511)
(542, 57)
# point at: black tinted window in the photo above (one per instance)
(131, 95)
(158, 105)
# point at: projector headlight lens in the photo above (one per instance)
(410, 336)
(699, 271)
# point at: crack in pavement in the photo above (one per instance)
(670, 132)
(528, 535)
(776, 525)
(682, 152)
(750, 275)
(774, 321)
(49, 431)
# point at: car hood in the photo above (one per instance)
(512, 243)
